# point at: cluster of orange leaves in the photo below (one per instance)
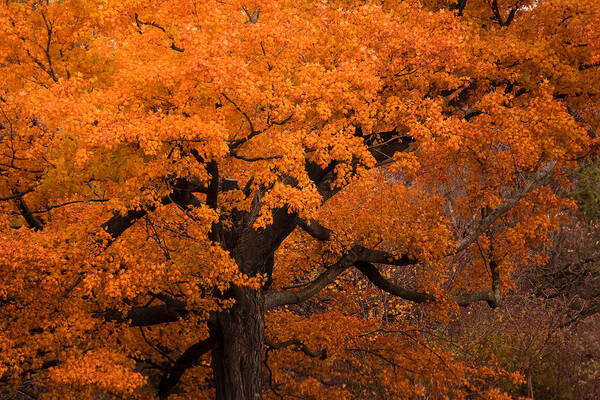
(98, 106)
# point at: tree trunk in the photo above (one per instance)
(238, 356)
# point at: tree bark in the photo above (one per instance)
(238, 355)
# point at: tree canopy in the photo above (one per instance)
(243, 199)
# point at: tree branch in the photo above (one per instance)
(148, 316)
(17, 195)
(119, 223)
(463, 300)
(356, 254)
(366, 257)
(212, 195)
(322, 354)
(319, 232)
(253, 159)
(537, 180)
(34, 222)
(509, 18)
(315, 229)
(372, 273)
(460, 6)
(384, 257)
(253, 132)
(187, 360)
(49, 29)
(275, 298)
(139, 24)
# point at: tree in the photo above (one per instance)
(224, 184)
(548, 328)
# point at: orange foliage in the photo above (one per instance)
(156, 156)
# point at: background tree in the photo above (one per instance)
(193, 191)
(547, 328)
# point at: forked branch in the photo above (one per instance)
(356, 254)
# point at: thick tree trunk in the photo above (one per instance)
(238, 356)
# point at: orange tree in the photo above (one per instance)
(193, 190)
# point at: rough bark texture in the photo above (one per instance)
(238, 355)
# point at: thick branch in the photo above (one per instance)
(119, 223)
(372, 273)
(384, 257)
(381, 145)
(212, 195)
(498, 16)
(187, 360)
(280, 298)
(356, 254)
(17, 195)
(155, 315)
(463, 300)
(148, 316)
(318, 231)
(263, 244)
(365, 257)
(459, 6)
(34, 222)
(315, 229)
